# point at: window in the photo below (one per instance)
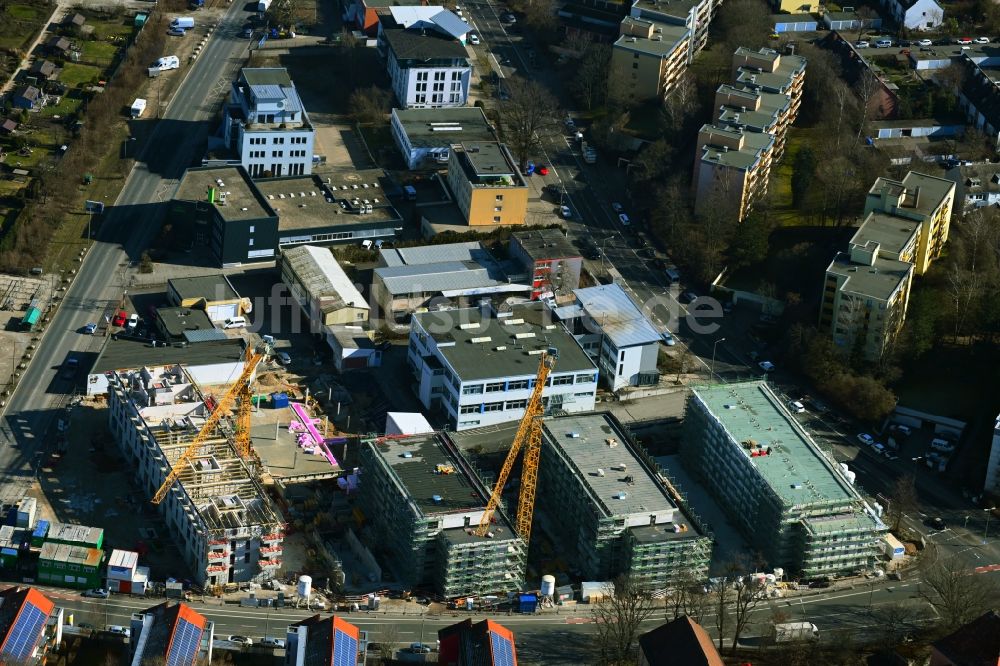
(421, 87)
(583, 379)
(519, 385)
(473, 389)
(437, 98)
(277, 153)
(469, 409)
(438, 87)
(565, 380)
(497, 209)
(517, 404)
(496, 218)
(455, 87)
(421, 99)
(499, 197)
(456, 76)
(456, 97)
(493, 387)
(493, 407)
(635, 65)
(468, 424)
(422, 76)
(252, 227)
(439, 76)
(251, 242)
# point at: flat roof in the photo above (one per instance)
(796, 470)
(447, 276)
(487, 158)
(321, 275)
(307, 202)
(545, 244)
(592, 442)
(436, 127)
(932, 190)
(213, 288)
(670, 38)
(414, 45)
(502, 349)
(793, 18)
(676, 8)
(620, 319)
(77, 533)
(64, 552)
(126, 353)
(880, 280)
(754, 143)
(433, 254)
(178, 320)
(892, 233)
(242, 201)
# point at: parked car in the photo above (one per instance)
(668, 339)
(420, 648)
(866, 439)
(89, 329)
(119, 630)
(70, 368)
(240, 640)
(133, 322)
(766, 366)
(543, 170)
(861, 44)
(474, 39)
(936, 522)
(796, 407)
(924, 42)
(623, 218)
(964, 41)
(235, 322)
(272, 642)
(617, 207)
(166, 63)
(97, 593)
(120, 318)
(883, 43)
(901, 429)
(981, 40)
(176, 32)
(508, 18)
(688, 297)
(879, 449)
(942, 446)
(565, 212)
(284, 358)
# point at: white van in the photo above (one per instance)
(235, 322)
(166, 63)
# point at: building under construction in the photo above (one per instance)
(423, 504)
(609, 510)
(791, 502)
(217, 511)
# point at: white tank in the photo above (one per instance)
(851, 476)
(305, 587)
(548, 585)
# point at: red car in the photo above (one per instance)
(543, 170)
(120, 318)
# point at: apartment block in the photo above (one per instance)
(647, 59)
(789, 500)
(175, 633)
(693, 15)
(609, 508)
(266, 124)
(331, 641)
(767, 70)
(428, 69)
(551, 259)
(487, 185)
(217, 512)
(928, 200)
(478, 366)
(423, 504)
(732, 170)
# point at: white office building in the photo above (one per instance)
(428, 69)
(477, 366)
(267, 125)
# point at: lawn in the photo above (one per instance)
(780, 186)
(106, 30)
(66, 106)
(74, 74)
(99, 53)
(19, 23)
(38, 154)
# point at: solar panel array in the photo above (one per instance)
(345, 649)
(25, 633)
(503, 651)
(184, 647)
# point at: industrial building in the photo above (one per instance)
(425, 136)
(214, 294)
(217, 511)
(477, 365)
(422, 503)
(325, 642)
(551, 259)
(179, 324)
(321, 287)
(609, 509)
(30, 626)
(412, 279)
(177, 634)
(792, 503)
(352, 348)
(485, 643)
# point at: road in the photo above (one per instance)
(126, 230)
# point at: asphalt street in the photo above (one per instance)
(126, 230)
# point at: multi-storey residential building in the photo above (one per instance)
(928, 200)
(332, 641)
(218, 514)
(647, 59)
(487, 185)
(553, 262)
(424, 503)
(766, 70)
(792, 503)
(732, 171)
(176, 633)
(30, 626)
(694, 15)
(428, 69)
(267, 125)
(610, 510)
(992, 484)
(486, 643)
(478, 366)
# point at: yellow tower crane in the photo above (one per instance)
(240, 390)
(529, 436)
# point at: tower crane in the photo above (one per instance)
(239, 390)
(529, 437)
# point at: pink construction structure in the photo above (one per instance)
(309, 438)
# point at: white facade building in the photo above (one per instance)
(478, 367)
(993, 467)
(427, 69)
(915, 14)
(267, 125)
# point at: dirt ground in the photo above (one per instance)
(16, 293)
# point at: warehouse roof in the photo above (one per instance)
(323, 278)
(483, 345)
(451, 276)
(613, 310)
(242, 200)
(796, 470)
(123, 353)
(433, 254)
(437, 127)
(212, 288)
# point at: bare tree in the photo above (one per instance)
(720, 591)
(681, 100)
(525, 116)
(749, 591)
(902, 498)
(955, 591)
(866, 87)
(388, 638)
(370, 105)
(624, 607)
(686, 597)
(894, 621)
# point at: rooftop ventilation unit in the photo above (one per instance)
(481, 340)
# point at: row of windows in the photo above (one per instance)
(523, 384)
(278, 140)
(440, 75)
(488, 407)
(438, 98)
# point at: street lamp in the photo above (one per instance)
(714, 345)
(986, 532)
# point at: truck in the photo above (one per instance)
(182, 23)
(138, 108)
(788, 632)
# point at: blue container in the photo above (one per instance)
(279, 400)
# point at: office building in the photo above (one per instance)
(485, 643)
(321, 287)
(487, 185)
(647, 60)
(425, 136)
(217, 511)
(325, 642)
(428, 68)
(550, 258)
(608, 508)
(266, 124)
(30, 626)
(175, 633)
(477, 367)
(423, 504)
(792, 504)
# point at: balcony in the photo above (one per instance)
(274, 536)
(271, 550)
(218, 554)
(269, 564)
(216, 568)
(219, 542)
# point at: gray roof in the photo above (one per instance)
(436, 18)
(670, 38)
(892, 233)
(205, 335)
(433, 254)
(487, 159)
(323, 278)
(583, 440)
(272, 84)
(243, 199)
(932, 190)
(543, 244)
(126, 353)
(754, 144)
(879, 281)
(433, 278)
(412, 45)
(178, 321)
(212, 288)
(619, 318)
(443, 127)
(498, 350)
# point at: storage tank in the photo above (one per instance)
(851, 476)
(548, 585)
(305, 587)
